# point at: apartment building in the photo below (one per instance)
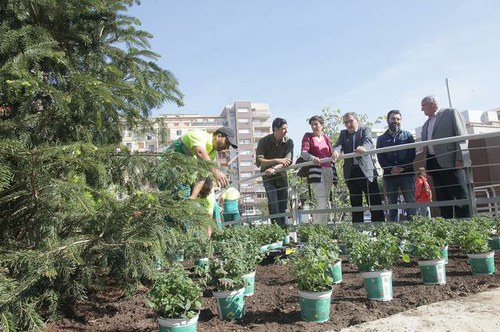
(251, 121)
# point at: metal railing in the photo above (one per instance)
(480, 199)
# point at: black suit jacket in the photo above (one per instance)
(365, 162)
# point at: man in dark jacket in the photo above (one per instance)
(359, 172)
(397, 165)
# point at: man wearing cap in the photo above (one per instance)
(275, 151)
(205, 146)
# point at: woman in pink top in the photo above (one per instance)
(423, 193)
(322, 176)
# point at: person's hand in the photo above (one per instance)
(335, 155)
(316, 160)
(360, 150)
(270, 171)
(396, 170)
(221, 178)
(284, 161)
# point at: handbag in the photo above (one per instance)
(303, 172)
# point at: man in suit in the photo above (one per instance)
(359, 172)
(445, 161)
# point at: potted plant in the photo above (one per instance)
(473, 239)
(428, 251)
(176, 299)
(226, 273)
(199, 250)
(309, 267)
(374, 258)
(345, 234)
(331, 249)
(251, 257)
(270, 236)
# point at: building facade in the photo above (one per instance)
(251, 121)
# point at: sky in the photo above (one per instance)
(300, 56)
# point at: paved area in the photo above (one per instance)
(479, 312)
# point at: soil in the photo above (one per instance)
(275, 306)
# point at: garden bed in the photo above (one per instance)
(275, 307)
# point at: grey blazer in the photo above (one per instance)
(363, 138)
(449, 122)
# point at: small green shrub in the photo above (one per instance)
(375, 254)
(174, 294)
(309, 267)
(472, 237)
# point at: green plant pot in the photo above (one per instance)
(444, 254)
(378, 285)
(179, 255)
(230, 304)
(315, 306)
(158, 263)
(249, 279)
(275, 245)
(201, 261)
(433, 271)
(482, 263)
(178, 324)
(494, 243)
(335, 270)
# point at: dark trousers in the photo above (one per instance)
(358, 185)
(277, 196)
(449, 184)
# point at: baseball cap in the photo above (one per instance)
(229, 133)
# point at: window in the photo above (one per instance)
(248, 209)
(149, 137)
(242, 110)
(187, 124)
(261, 195)
(246, 163)
(178, 132)
(129, 145)
(152, 147)
(244, 131)
(244, 141)
(245, 153)
(245, 186)
(246, 174)
(243, 120)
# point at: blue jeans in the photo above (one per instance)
(277, 196)
(405, 183)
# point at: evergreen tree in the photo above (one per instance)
(76, 208)
(76, 70)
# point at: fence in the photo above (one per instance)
(481, 162)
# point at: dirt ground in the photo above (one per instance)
(275, 306)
